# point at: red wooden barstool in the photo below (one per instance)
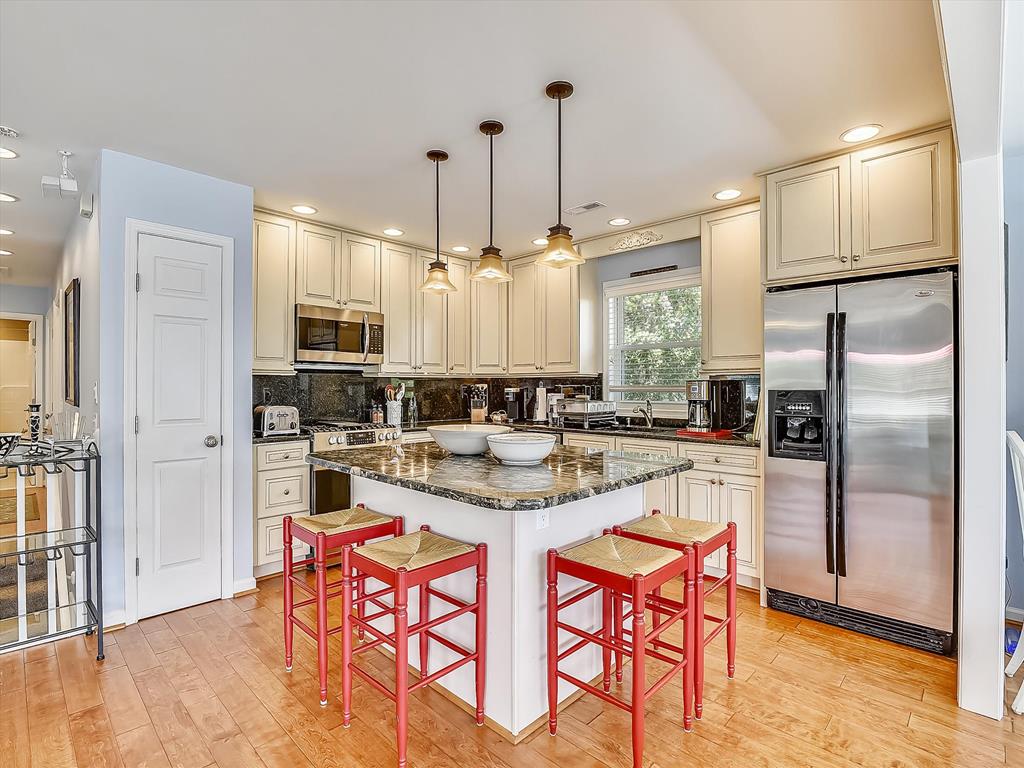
(623, 569)
(326, 534)
(705, 538)
(403, 563)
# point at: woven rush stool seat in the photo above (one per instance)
(619, 570)
(326, 534)
(705, 538)
(414, 550)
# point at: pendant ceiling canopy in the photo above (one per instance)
(559, 252)
(491, 268)
(437, 273)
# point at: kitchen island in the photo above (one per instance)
(519, 512)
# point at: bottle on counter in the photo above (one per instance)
(413, 411)
(377, 415)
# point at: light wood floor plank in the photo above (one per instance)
(93, 739)
(121, 697)
(141, 748)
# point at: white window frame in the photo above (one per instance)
(682, 278)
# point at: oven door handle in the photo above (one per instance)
(366, 336)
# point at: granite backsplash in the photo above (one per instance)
(349, 396)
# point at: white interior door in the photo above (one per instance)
(178, 401)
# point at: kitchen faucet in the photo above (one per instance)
(647, 413)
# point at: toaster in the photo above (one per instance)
(275, 420)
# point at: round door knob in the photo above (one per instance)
(211, 441)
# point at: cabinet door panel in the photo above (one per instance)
(398, 268)
(698, 500)
(524, 324)
(490, 328)
(360, 273)
(270, 539)
(319, 268)
(430, 323)
(273, 286)
(902, 201)
(560, 318)
(808, 220)
(739, 504)
(459, 318)
(658, 494)
(592, 443)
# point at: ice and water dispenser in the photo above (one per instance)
(798, 424)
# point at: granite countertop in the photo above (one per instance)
(280, 439)
(643, 433)
(568, 474)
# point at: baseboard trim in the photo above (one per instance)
(244, 586)
(1016, 615)
(115, 620)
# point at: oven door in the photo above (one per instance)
(326, 335)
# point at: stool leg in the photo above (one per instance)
(617, 628)
(289, 594)
(552, 641)
(320, 562)
(689, 641)
(402, 665)
(730, 603)
(639, 671)
(606, 633)
(346, 634)
(481, 630)
(698, 622)
(655, 618)
(361, 607)
(424, 616)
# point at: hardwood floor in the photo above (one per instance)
(206, 687)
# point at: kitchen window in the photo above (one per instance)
(652, 332)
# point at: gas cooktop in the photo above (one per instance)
(328, 425)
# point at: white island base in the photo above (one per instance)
(517, 544)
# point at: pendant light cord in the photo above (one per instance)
(559, 161)
(437, 209)
(490, 234)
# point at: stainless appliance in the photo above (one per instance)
(859, 480)
(333, 490)
(698, 395)
(515, 403)
(275, 420)
(349, 337)
(585, 413)
(728, 403)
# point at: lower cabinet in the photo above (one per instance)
(593, 443)
(281, 480)
(658, 494)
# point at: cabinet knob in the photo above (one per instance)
(856, 257)
(721, 481)
(287, 492)
(718, 459)
(703, 362)
(286, 456)
(338, 301)
(844, 259)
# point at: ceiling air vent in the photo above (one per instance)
(584, 208)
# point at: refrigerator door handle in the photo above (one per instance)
(840, 463)
(830, 353)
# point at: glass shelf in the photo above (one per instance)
(48, 623)
(46, 540)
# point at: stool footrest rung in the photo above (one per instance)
(371, 596)
(663, 680)
(718, 583)
(587, 636)
(715, 632)
(373, 682)
(581, 595)
(450, 599)
(594, 690)
(441, 672)
(449, 644)
(572, 649)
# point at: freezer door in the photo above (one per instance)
(796, 492)
(896, 513)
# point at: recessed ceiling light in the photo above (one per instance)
(306, 210)
(7, 154)
(861, 133)
(394, 232)
(5, 198)
(727, 194)
(460, 248)
(6, 253)
(541, 241)
(619, 222)
(6, 231)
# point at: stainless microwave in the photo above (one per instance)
(338, 336)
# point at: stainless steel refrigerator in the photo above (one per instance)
(859, 512)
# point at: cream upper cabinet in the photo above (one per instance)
(430, 322)
(360, 273)
(489, 328)
(319, 266)
(544, 318)
(659, 494)
(902, 201)
(273, 286)
(808, 220)
(730, 263)
(460, 320)
(399, 267)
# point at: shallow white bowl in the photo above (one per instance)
(521, 449)
(465, 439)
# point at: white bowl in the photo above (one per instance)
(521, 449)
(465, 439)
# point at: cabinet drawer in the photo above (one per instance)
(742, 460)
(282, 491)
(278, 455)
(593, 443)
(269, 541)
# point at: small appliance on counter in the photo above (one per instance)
(540, 403)
(515, 403)
(698, 416)
(585, 413)
(716, 407)
(475, 397)
(270, 420)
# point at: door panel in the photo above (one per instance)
(794, 337)
(319, 266)
(698, 500)
(739, 500)
(560, 313)
(360, 273)
(273, 276)
(490, 328)
(459, 318)
(524, 323)
(178, 403)
(431, 323)
(899, 449)
(398, 302)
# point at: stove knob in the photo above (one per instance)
(332, 440)
(271, 425)
(292, 425)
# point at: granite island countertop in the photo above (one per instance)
(568, 474)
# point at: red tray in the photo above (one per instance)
(718, 434)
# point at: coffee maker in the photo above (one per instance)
(715, 404)
(698, 393)
(515, 403)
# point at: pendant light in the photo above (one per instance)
(491, 268)
(437, 273)
(559, 251)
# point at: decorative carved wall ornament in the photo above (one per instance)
(636, 240)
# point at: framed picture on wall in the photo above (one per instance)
(72, 317)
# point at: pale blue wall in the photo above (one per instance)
(1013, 205)
(29, 300)
(136, 188)
(682, 253)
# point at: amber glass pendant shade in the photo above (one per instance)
(437, 273)
(437, 279)
(559, 252)
(491, 268)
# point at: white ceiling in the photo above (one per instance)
(334, 104)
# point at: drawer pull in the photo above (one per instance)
(286, 456)
(287, 491)
(718, 459)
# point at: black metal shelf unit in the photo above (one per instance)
(81, 541)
